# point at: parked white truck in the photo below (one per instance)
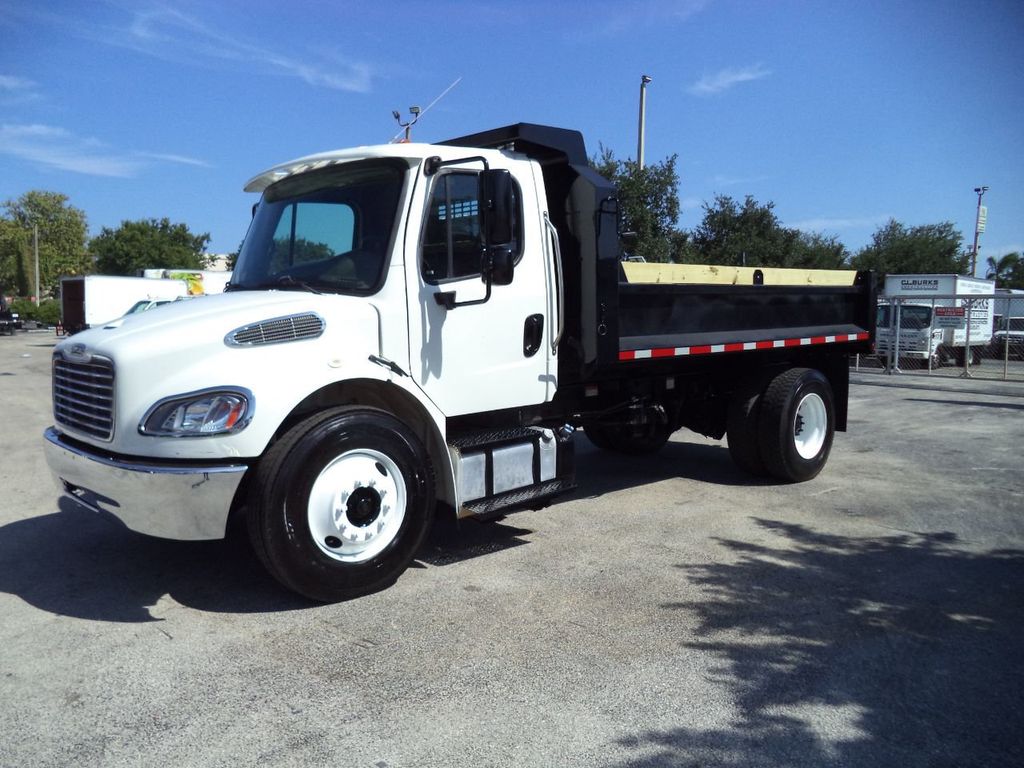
(93, 300)
(417, 327)
(927, 334)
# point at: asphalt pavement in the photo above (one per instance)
(671, 612)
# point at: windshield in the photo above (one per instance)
(325, 231)
(911, 317)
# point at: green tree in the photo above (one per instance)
(15, 245)
(648, 203)
(62, 235)
(145, 244)
(1003, 270)
(930, 248)
(816, 251)
(747, 234)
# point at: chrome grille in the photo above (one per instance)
(83, 396)
(277, 331)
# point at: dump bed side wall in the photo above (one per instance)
(688, 316)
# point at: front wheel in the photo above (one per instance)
(796, 424)
(340, 505)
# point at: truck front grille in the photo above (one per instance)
(83, 396)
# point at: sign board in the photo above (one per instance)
(982, 218)
(950, 317)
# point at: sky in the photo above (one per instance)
(842, 114)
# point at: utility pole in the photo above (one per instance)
(979, 226)
(35, 249)
(644, 81)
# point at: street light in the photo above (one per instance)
(644, 80)
(979, 227)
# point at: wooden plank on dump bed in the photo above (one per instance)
(709, 274)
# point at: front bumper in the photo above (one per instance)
(169, 500)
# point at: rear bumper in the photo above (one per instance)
(169, 500)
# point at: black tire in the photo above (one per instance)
(795, 401)
(308, 464)
(741, 428)
(629, 440)
(977, 355)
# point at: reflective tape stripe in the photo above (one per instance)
(737, 346)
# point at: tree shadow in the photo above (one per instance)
(903, 650)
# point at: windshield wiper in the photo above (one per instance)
(293, 282)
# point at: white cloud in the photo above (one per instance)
(725, 79)
(166, 33)
(11, 83)
(60, 149)
(721, 180)
(834, 223)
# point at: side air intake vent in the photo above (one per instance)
(277, 331)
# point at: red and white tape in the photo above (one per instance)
(739, 346)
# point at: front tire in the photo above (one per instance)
(340, 504)
(796, 424)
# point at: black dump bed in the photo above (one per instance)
(613, 320)
(659, 320)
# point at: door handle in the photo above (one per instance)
(533, 333)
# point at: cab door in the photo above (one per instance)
(486, 356)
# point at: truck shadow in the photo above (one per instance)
(836, 650)
(599, 472)
(76, 563)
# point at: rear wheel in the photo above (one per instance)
(341, 503)
(796, 424)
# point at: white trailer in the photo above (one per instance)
(201, 282)
(925, 334)
(97, 299)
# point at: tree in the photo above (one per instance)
(148, 243)
(744, 235)
(648, 203)
(930, 248)
(15, 245)
(817, 251)
(62, 234)
(1004, 270)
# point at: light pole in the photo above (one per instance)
(644, 81)
(979, 227)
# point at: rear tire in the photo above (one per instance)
(340, 504)
(796, 424)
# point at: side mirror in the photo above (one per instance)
(497, 265)
(496, 206)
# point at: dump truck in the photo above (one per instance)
(420, 329)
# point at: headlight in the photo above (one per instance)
(198, 414)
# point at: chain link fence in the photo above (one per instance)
(966, 335)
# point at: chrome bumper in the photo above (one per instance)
(172, 501)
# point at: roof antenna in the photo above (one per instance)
(405, 135)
